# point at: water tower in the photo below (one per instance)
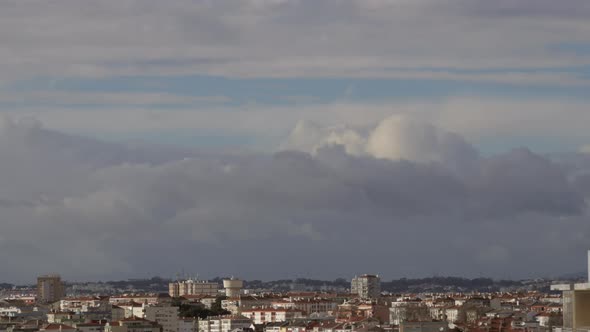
(233, 287)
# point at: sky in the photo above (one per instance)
(270, 139)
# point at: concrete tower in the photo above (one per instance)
(233, 287)
(49, 288)
(576, 304)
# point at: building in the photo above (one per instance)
(271, 315)
(57, 327)
(49, 288)
(188, 325)
(133, 325)
(132, 309)
(193, 287)
(576, 304)
(167, 316)
(90, 327)
(410, 310)
(224, 324)
(434, 326)
(148, 299)
(366, 286)
(233, 287)
(309, 306)
(81, 304)
(62, 317)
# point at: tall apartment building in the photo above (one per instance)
(193, 287)
(167, 316)
(576, 304)
(49, 288)
(367, 286)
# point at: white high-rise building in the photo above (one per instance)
(367, 286)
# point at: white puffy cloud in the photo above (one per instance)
(395, 138)
(399, 137)
(309, 136)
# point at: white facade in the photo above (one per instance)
(233, 287)
(223, 324)
(308, 306)
(452, 314)
(132, 310)
(81, 304)
(193, 287)
(261, 316)
(10, 311)
(366, 286)
(151, 299)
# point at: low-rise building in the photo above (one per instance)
(148, 299)
(90, 327)
(224, 323)
(188, 325)
(134, 324)
(53, 327)
(132, 309)
(193, 287)
(272, 315)
(167, 316)
(433, 326)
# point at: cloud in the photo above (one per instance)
(335, 39)
(395, 138)
(93, 210)
(491, 123)
(372, 179)
(398, 137)
(71, 98)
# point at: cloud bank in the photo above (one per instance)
(401, 198)
(426, 39)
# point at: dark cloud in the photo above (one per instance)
(101, 210)
(521, 181)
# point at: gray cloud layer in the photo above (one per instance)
(425, 39)
(89, 210)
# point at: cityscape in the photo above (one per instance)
(294, 165)
(228, 305)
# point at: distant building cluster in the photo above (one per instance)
(193, 287)
(193, 305)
